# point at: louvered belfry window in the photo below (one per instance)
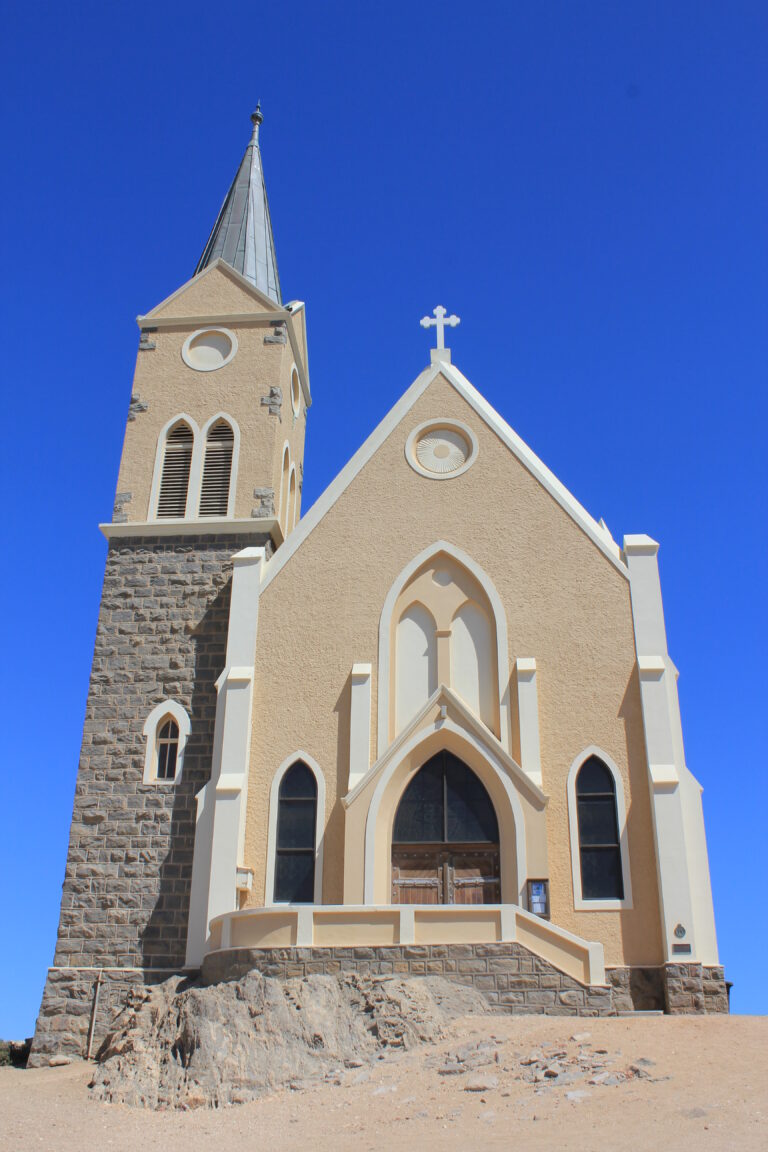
(217, 470)
(176, 465)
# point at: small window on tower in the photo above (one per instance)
(295, 395)
(217, 470)
(167, 750)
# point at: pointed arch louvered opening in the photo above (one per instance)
(177, 462)
(217, 470)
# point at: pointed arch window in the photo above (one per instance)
(599, 841)
(217, 470)
(167, 751)
(296, 825)
(177, 463)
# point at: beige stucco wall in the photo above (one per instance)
(566, 605)
(170, 387)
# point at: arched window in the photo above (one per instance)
(290, 519)
(217, 470)
(445, 841)
(167, 750)
(599, 843)
(295, 849)
(177, 461)
(166, 730)
(283, 511)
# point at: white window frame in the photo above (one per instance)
(295, 404)
(160, 713)
(285, 478)
(274, 802)
(580, 903)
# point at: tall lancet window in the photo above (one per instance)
(177, 461)
(296, 823)
(599, 847)
(167, 749)
(217, 470)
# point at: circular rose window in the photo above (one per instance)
(441, 449)
(209, 349)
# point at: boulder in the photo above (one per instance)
(182, 1045)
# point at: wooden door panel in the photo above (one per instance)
(417, 878)
(438, 875)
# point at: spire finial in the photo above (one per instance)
(256, 120)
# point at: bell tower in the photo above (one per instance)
(215, 434)
(211, 466)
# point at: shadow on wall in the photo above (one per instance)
(333, 860)
(164, 937)
(640, 926)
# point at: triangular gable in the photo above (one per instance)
(467, 718)
(597, 533)
(238, 295)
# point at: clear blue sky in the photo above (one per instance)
(584, 183)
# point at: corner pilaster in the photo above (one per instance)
(683, 875)
(221, 805)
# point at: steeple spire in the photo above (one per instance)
(242, 234)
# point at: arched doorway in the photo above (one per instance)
(445, 841)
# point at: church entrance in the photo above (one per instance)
(445, 844)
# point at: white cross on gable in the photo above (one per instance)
(440, 321)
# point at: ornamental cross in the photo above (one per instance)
(440, 322)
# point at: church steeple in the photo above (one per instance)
(242, 234)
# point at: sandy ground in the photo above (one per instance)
(706, 1087)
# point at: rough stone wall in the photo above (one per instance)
(695, 988)
(161, 635)
(510, 977)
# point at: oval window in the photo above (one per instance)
(295, 392)
(209, 349)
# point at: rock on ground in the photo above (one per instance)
(178, 1045)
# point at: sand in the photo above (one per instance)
(706, 1088)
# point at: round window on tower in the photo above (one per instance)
(441, 449)
(209, 349)
(295, 395)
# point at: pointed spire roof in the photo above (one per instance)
(242, 234)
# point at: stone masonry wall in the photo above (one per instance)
(161, 635)
(510, 977)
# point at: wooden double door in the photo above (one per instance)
(446, 874)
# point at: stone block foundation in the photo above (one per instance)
(511, 978)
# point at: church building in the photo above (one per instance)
(429, 725)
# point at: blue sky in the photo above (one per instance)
(585, 184)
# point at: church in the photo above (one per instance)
(428, 725)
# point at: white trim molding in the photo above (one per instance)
(158, 714)
(359, 723)
(500, 620)
(581, 903)
(157, 475)
(274, 803)
(528, 718)
(208, 526)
